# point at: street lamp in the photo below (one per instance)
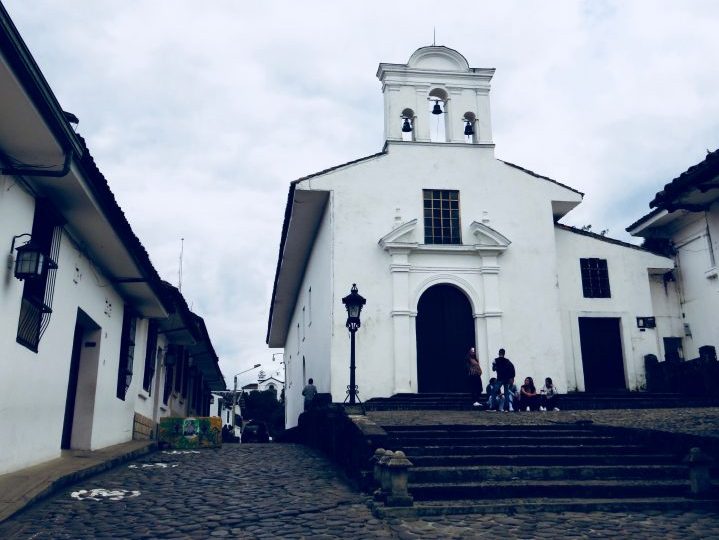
(353, 302)
(234, 394)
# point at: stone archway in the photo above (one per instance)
(445, 332)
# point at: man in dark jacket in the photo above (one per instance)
(505, 376)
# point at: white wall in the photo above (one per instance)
(631, 297)
(312, 341)
(29, 380)
(698, 278)
(364, 202)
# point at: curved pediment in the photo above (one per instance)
(403, 233)
(438, 58)
(487, 237)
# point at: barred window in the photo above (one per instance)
(441, 217)
(37, 294)
(595, 278)
(127, 353)
(150, 357)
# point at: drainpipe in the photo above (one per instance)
(35, 171)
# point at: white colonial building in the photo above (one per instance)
(685, 225)
(88, 332)
(452, 248)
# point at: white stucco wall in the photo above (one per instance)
(364, 203)
(698, 278)
(631, 297)
(311, 342)
(29, 380)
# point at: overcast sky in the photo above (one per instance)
(200, 117)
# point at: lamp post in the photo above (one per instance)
(234, 394)
(353, 302)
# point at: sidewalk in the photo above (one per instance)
(20, 489)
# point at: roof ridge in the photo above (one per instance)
(537, 175)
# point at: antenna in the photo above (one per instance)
(179, 273)
(434, 36)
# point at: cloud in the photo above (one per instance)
(200, 116)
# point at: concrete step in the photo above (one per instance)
(542, 459)
(490, 473)
(511, 441)
(537, 504)
(520, 449)
(497, 428)
(549, 489)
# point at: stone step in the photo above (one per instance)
(490, 473)
(457, 428)
(542, 460)
(516, 440)
(572, 401)
(549, 489)
(436, 450)
(509, 506)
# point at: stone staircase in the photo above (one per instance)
(507, 468)
(572, 401)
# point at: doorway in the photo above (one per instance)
(445, 332)
(602, 358)
(82, 384)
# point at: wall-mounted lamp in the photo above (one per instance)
(30, 260)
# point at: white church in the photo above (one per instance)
(454, 248)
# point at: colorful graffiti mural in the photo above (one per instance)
(202, 432)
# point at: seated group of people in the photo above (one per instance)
(504, 396)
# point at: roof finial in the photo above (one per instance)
(434, 36)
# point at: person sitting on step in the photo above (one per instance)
(550, 396)
(492, 403)
(529, 399)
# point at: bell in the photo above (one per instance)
(406, 127)
(468, 129)
(436, 109)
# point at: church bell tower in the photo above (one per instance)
(436, 97)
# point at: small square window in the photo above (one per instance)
(595, 278)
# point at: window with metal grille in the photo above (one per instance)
(595, 278)
(441, 217)
(150, 357)
(36, 304)
(169, 378)
(127, 353)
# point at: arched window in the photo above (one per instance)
(438, 111)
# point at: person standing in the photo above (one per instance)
(310, 392)
(474, 376)
(505, 377)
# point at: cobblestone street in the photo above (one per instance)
(289, 491)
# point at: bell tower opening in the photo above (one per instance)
(438, 110)
(428, 95)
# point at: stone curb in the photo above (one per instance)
(8, 510)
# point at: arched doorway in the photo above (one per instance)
(445, 332)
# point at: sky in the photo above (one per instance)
(200, 115)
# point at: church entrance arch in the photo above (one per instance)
(445, 332)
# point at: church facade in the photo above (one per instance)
(452, 248)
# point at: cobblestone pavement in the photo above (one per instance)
(699, 421)
(290, 491)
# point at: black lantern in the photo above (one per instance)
(353, 302)
(436, 109)
(406, 126)
(30, 262)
